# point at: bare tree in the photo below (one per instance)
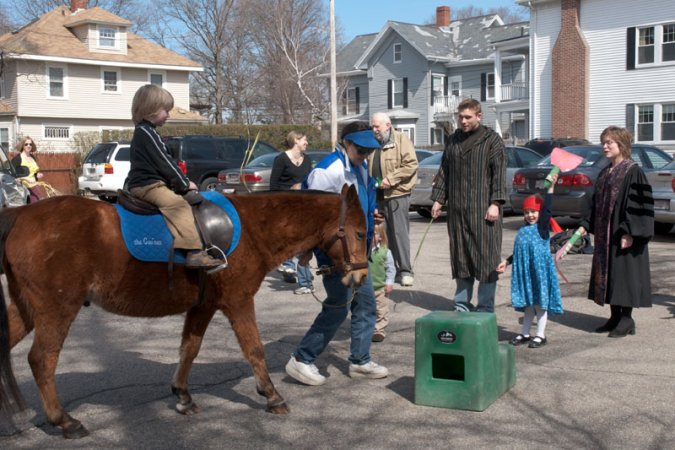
(5, 22)
(507, 14)
(293, 45)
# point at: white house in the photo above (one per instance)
(595, 63)
(76, 70)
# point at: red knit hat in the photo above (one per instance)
(533, 202)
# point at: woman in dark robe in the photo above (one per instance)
(622, 220)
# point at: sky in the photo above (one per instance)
(369, 16)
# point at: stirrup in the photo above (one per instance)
(221, 255)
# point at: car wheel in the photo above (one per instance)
(662, 227)
(424, 212)
(108, 198)
(209, 184)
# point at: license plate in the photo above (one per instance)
(232, 178)
(539, 184)
(662, 204)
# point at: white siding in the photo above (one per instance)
(544, 29)
(611, 85)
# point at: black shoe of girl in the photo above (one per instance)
(519, 340)
(537, 342)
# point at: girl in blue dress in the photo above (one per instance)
(534, 283)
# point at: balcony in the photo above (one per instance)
(445, 108)
(519, 90)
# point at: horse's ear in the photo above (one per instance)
(349, 191)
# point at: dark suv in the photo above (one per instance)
(201, 157)
(545, 146)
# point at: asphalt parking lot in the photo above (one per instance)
(582, 390)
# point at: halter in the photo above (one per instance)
(347, 265)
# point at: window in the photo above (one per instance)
(408, 130)
(668, 122)
(107, 37)
(157, 79)
(351, 101)
(438, 88)
(57, 132)
(397, 53)
(645, 126)
(436, 136)
(487, 86)
(110, 81)
(455, 88)
(56, 77)
(4, 139)
(398, 93)
(651, 45)
(646, 45)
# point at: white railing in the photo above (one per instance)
(446, 105)
(519, 90)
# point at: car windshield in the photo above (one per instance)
(591, 155)
(669, 166)
(266, 160)
(433, 160)
(99, 154)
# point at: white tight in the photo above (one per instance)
(528, 317)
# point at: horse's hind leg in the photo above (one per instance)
(43, 357)
(245, 328)
(196, 321)
(19, 325)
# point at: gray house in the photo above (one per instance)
(419, 73)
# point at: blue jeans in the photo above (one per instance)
(330, 318)
(486, 294)
(305, 276)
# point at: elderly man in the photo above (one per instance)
(471, 180)
(394, 167)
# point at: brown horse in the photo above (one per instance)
(59, 253)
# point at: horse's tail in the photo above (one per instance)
(11, 400)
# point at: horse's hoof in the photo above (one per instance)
(279, 409)
(188, 410)
(75, 430)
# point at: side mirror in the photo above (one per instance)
(21, 171)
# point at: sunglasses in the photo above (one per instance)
(30, 144)
(363, 150)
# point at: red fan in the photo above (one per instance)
(562, 162)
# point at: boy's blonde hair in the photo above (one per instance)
(381, 231)
(148, 101)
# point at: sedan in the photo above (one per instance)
(420, 201)
(423, 154)
(663, 187)
(255, 176)
(574, 190)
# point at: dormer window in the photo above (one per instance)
(107, 37)
(397, 53)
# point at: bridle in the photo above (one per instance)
(347, 266)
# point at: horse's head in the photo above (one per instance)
(347, 244)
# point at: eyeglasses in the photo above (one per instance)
(30, 144)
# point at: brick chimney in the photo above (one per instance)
(571, 56)
(77, 4)
(443, 16)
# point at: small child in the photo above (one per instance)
(382, 272)
(156, 178)
(534, 283)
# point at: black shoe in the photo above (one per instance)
(519, 340)
(626, 326)
(609, 325)
(537, 342)
(463, 307)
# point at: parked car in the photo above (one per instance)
(255, 176)
(574, 190)
(423, 154)
(663, 187)
(202, 157)
(105, 170)
(12, 191)
(544, 146)
(516, 158)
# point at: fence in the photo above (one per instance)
(60, 170)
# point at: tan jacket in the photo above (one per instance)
(399, 165)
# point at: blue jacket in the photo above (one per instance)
(331, 173)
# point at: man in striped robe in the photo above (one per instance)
(471, 180)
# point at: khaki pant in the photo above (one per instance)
(381, 312)
(176, 211)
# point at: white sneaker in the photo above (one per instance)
(304, 290)
(407, 280)
(368, 370)
(304, 373)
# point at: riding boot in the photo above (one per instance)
(613, 321)
(626, 326)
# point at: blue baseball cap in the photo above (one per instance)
(364, 139)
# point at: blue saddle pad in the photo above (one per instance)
(148, 238)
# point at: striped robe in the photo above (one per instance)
(469, 180)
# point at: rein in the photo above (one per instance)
(347, 266)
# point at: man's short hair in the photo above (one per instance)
(469, 103)
(384, 117)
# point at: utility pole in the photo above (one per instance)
(333, 78)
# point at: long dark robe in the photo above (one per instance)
(626, 276)
(469, 179)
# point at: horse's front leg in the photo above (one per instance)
(196, 322)
(245, 328)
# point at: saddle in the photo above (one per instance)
(213, 223)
